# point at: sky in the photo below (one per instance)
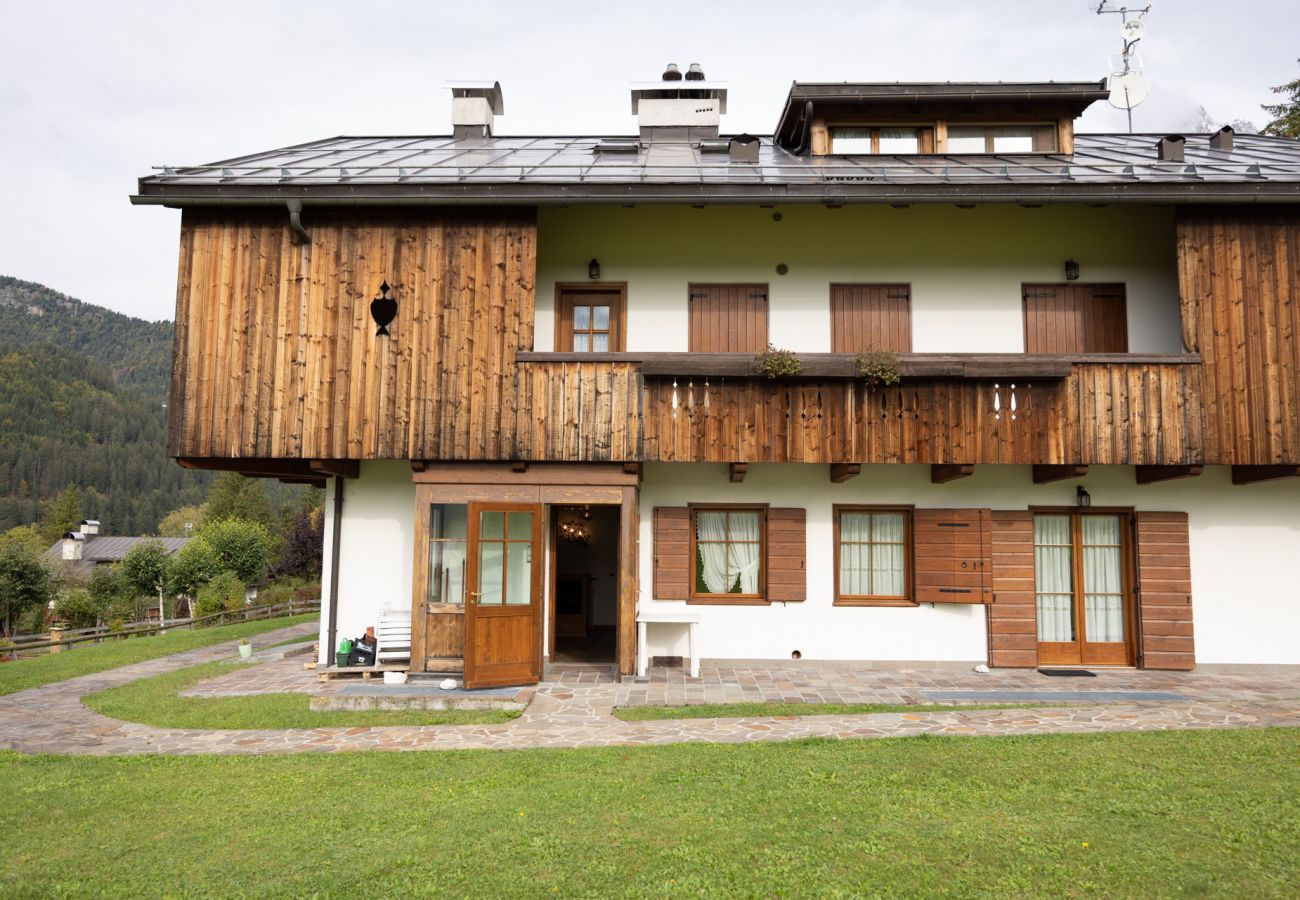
(93, 95)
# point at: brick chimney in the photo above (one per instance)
(74, 542)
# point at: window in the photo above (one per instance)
(1001, 139)
(881, 139)
(591, 320)
(727, 318)
(1075, 318)
(447, 534)
(871, 316)
(872, 554)
(728, 550)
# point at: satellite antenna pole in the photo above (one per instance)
(1128, 84)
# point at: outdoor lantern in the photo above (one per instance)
(593, 269)
(383, 309)
(1081, 497)
(1071, 270)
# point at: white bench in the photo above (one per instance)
(652, 617)
(393, 636)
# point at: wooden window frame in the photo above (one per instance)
(758, 599)
(988, 138)
(871, 284)
(1025, 286)
(909, 566)
(565, 295)
(925, 137)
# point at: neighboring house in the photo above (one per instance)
(525, 368)
(79, 552)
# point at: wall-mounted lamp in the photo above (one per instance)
(1071, 270)
(383, 309)
(593, 269)
(1082, 498)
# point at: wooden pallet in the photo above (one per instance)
(365, 673)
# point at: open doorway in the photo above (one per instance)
(584, 584)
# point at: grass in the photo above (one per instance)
(776, 708)
(156, 701)
(1133, 815)
(85, 659)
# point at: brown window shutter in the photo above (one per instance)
(1075, 318)
(787, 543)
(1164, 582)
(727, 318)
(951, 552)
(1012, 616)
(866, 316)
(672, 553)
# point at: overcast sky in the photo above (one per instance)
(94, 94)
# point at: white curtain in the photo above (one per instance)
(1103, 579)
(711, 537)
(744, 550)
(855, 554)
(1052, 582)
(887, 555)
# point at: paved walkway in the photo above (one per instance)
(575, 709)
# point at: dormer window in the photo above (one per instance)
(1031, 138)
(896, 140)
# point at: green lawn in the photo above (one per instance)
(1210, 813)
(156, 701)
(775, 708)
(84, 659)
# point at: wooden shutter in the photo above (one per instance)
(1164, 588)
(1075, 318)
(728, 318)
(1012, 616)
(672, 553)
(787, 542)
(951, 552)
(875, 316)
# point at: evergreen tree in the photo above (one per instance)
(62, 514)
(1286, 115)
(235, 497)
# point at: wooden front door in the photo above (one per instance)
(1083, 588)
(503, 609)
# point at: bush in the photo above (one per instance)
(879, 367)
(192, 567)
(224, 593)
(78, 608)
(241, 547)
(776, 363)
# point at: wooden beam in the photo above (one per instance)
(1152, 474)
(255, 467)
(737, 472)
(942, 474)
(1045, 474)
(519, 466)
(1252, 474)
(344, 468)
(418, 465)
(632, 468)
(842, 472)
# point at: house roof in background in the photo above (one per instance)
(99, 549)
(558, 170)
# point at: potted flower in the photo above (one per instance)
(245, 648)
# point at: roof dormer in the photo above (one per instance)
(945, 118)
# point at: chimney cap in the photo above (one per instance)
(672, 73)
(1222, 139)
(657, 90)
(694, 72)
(73, 536)
(90, 521)
(1170, 148)
(488, 90)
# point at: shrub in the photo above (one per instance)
(192, 567)
(879, 367)
(145, 566)
(78, 608)
(225, 592)
(241, 547)
(776, 363)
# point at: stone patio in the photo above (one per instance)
(574, 707)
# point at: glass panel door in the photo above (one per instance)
(502, 611)
(1081, 589)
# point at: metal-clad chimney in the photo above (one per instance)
(73, 544)
(1222, 139)
(677, 109)
(1170, 148)
(474, 107)
(90, 526)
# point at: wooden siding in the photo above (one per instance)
(1239, 272)
(277, 355)
(728, 318)
(1075, 318)
(1140, 414)
(871, 316)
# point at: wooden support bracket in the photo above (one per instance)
(633, 468)
(842, 472)
(344, 468)
(419, 465)
(1152, 474)
(737, 472)
(1045, 474)
(519, 465)
(940, 474)
(1252, 474)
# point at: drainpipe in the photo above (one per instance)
(335, 539)
(295, 221)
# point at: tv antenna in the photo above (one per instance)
(1128, 86)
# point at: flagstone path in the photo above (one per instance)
(575, 708)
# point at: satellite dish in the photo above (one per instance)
(1133, 30)
(1119, 65)
(1127, 91)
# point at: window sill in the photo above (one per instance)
(868, 601)
(726, 601)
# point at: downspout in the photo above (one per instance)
(335, 539)
(295, 220)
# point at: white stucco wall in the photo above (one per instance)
(1244, 539)
(965, 266)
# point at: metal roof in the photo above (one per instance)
(101, 549)
(555, 169)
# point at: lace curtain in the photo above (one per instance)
(871, 554)
(1103, 579)
(729, 544)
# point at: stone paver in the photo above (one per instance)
(574, 708)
